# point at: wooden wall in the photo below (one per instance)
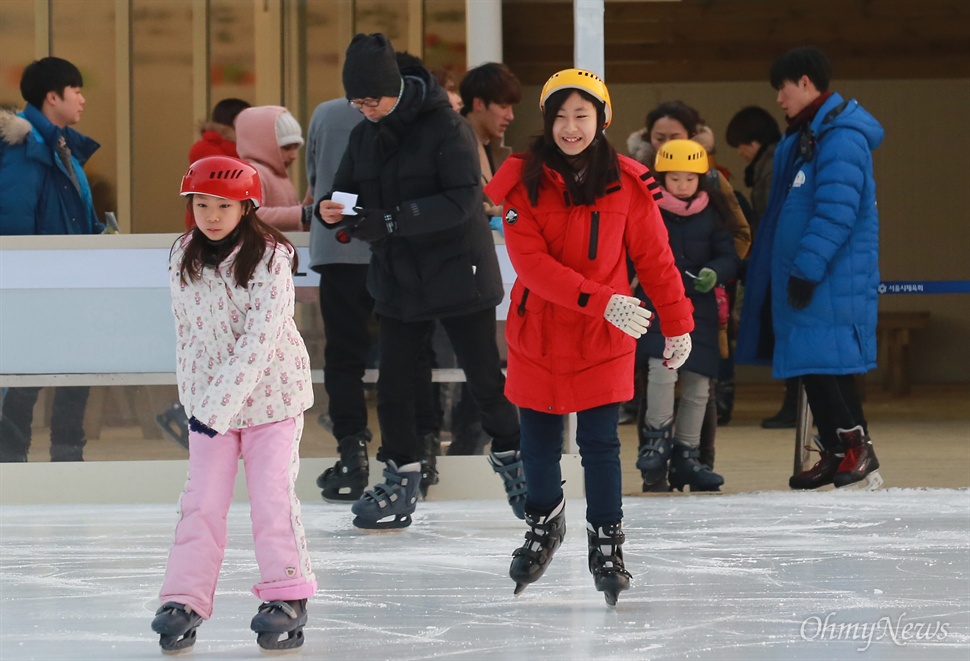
(719, 40)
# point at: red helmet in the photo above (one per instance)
(225, 177)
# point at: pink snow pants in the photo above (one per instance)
(271, 458)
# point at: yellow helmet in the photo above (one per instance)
(681, 156)
(587, 81)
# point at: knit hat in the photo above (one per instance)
(370, 68)
(288, 131)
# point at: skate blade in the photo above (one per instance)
(174, 644)
(395, 523)
(271, 646)
(870, 482)
(610, 599)
(520, 588)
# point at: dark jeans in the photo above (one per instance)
(599, 447)
(835, 404)
(399, 396)
(67, 423)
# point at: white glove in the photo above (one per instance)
(676, 351)
(628, 314)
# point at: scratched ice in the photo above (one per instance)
(752, 576)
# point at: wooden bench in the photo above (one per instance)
(894, 333)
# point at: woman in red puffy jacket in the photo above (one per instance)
(573, 211)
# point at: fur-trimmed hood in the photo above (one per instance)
(638, 144)
(14, 129)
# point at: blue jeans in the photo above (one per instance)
(599, 447)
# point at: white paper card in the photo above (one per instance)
(349, 200)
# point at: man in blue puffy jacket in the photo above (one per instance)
(43, 190)
(810, 302)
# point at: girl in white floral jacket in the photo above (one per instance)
(244, 378)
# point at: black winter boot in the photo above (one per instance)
(860, 462)
(687, 470)
(653, 455)
(428, 454)
(822, 472)
(606, 560)
(346, 480)
(542, 539)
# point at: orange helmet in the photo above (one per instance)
(225, 177)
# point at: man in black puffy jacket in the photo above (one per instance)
(414, 168)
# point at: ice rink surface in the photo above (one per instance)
(775, 575)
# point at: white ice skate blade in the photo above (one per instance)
(872, 482)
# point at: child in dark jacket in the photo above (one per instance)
(704, 252)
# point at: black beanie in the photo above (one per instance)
(370, 70)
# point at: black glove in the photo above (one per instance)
(371, 224)
(196, 425)
(799, 292)
(306, 216)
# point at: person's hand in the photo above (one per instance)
(196, 425)
(371, 224)
(628, 314)
(705, 280)
(331, 213)
(800, 292)
(676, 351)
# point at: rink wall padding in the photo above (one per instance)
(461, 478)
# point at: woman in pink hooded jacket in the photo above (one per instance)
(269, 139)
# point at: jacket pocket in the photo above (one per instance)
(523, 326)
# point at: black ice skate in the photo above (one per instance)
(176, 623)
(275, 618)
(346, 480)
(822, 472)
(174, 424)
(687, 470)
(508, 465)
(606, 560)
(653, 456)
(860, 462)
(542, 539)
(391, 504)
(430, 449)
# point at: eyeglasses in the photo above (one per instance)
(360, 104)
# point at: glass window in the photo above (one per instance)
(163, 128)
(16, 49)
(444, 36)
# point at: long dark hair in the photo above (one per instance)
(252, 235)
(598, 162)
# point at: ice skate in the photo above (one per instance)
(687, 470)
(275, 618)
(430, 448)
(346, 480)
(860, 467)
(176, 623)
(653, 455)
(821, 473)
(542, 539)
(389, 505)
(508, 465)
(174, 424)
(606, 560)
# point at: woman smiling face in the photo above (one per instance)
(574, 128)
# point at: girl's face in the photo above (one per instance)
(682, 185)
(289, 154)
(664, 129)
(217, 217)
(574, 128)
